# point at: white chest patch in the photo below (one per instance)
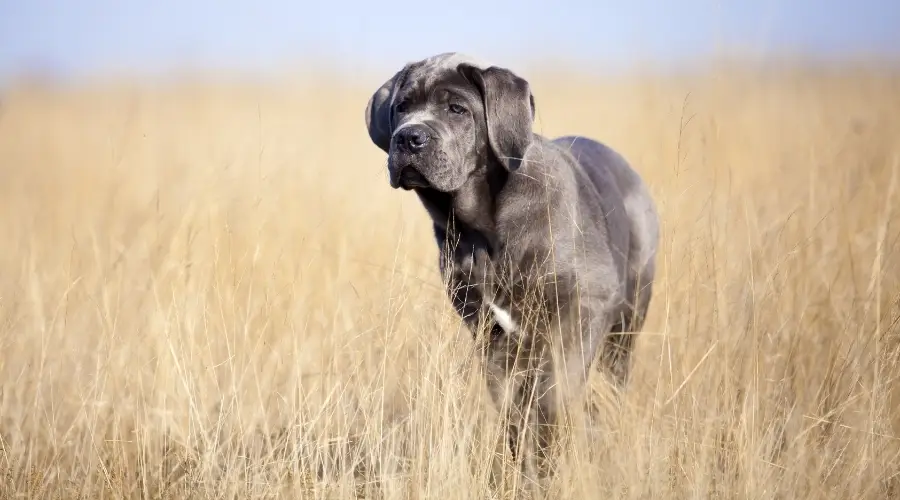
(503, 318)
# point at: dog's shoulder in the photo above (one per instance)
(601, 178)
(559, 176)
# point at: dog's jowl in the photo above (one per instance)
(547, 246)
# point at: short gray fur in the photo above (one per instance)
(559, 235)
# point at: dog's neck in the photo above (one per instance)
(469, 212)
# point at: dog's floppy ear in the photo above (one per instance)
(379, 111)
(508, 109)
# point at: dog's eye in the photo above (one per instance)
(402, 106)
(456, 108)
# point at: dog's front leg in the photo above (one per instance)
(517, 369)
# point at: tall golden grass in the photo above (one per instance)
(209, 290)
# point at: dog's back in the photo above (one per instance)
(631, 217)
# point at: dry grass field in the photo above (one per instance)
(208, 289)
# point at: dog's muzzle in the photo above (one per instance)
(410, 144)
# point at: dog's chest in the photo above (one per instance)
(469, 263)
(471, 270)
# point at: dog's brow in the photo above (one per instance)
(417, 92)
(457, 92)
(413, 88)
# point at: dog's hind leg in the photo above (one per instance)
(615, 358)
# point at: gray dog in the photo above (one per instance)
(547, 247)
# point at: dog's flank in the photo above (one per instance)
(547, 245)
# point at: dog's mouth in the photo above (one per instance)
(409, 178)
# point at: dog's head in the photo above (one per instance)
(442, 118)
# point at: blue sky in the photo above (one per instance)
(95, 36)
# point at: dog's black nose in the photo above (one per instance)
(412, 138)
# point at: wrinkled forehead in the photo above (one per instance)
(439, 72)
